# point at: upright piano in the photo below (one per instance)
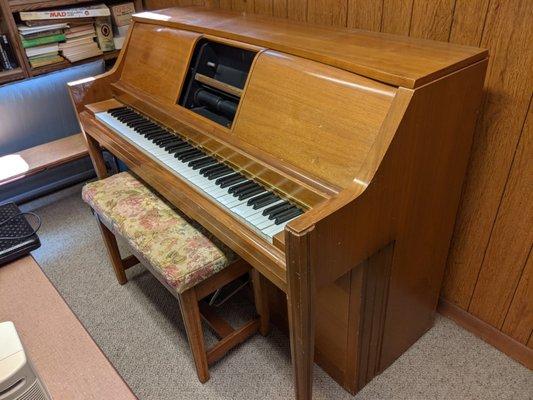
(330, 159)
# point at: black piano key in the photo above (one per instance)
(264, 203)
(156, 135)
(287, 216)
(251, 192)
(206, 170)
(149, 126)
(152, 133)
(202, 162)
(171, 143)
(186, 153)
(282, 211)
(244, 183)
(277, 207)
(177, 147)
(134, 123)
(129, 118)
(163, 140)
(146, 124)
(191, 156)
(219, 173)
(117, 110)
(226, 178)
(232, 181)
(238, 189)
(120, 112)
(264, 198)
(215, 172)
(182, 150)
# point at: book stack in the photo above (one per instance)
(82, 26)
(7, 55)
(79, 43)
(41, 43)
(121, 16)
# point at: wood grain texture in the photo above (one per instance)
(508, 91)
(432, 19)
(468, 21)
(519, 320)
(148, 44)
(264, 7)
(315, 103)
(242, 5)
(327, 12)
(364, 14)
(511, 238)
(399, 179)
(399, 61)
(47, 155)
(396, 17)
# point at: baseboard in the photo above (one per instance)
(491, 335)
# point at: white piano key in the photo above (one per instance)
(239, 208)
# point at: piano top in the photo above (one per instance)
(395, 60)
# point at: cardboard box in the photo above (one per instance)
(121, 13)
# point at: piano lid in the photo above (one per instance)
(395, 60)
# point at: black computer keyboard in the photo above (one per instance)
(11, 249)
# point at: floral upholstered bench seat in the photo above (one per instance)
(175, 247)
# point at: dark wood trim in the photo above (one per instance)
(506, 344)
(229, 342)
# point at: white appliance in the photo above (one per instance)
(18, 379)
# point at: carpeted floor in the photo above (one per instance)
(139, 328)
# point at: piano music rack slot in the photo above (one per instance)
(235, 91)
(215, 81)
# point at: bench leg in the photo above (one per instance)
(112, 250)
(261, 301)
(193, 325)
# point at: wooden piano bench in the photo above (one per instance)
(180, 254)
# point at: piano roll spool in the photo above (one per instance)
(217, 103)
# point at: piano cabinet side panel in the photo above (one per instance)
(350, 316)
(157, 60)
(437, 135)
(316, 117)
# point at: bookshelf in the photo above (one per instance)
(9, 10)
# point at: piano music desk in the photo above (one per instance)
(368, 133)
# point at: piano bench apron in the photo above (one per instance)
(180, 253)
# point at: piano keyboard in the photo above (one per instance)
(265, 211)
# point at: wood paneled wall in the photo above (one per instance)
(490, 265)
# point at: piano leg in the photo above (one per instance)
(301, 308)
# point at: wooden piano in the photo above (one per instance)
(330, 159)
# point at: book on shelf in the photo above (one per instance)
(104, 34)
(38, 23)
(77, 41)
(80, 31)
(27, 31)
(44, 49)
(47, 59)
(27, 43)
(7, 55)
(121, 13)
(36, 35)
(78, 53)
(99, 10)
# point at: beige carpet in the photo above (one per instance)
(139, 328)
